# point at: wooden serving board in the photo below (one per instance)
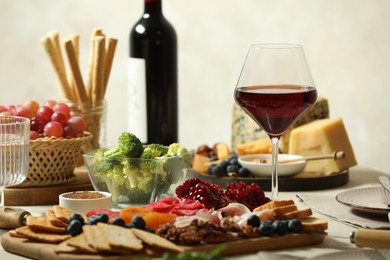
(303, 181)
(46, 195)
(36, 250)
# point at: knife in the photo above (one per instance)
(385, 181)
(373, 238)
(11, 218)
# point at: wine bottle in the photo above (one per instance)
(153, 91)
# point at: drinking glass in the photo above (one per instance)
(275, 88)
(14, 151)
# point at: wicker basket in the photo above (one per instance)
(52, 161)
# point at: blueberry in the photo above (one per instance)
(213, 158)
(138, 222)
(74, 228)
(130, 225)
(76, 217)
(243, 172)
(280, 227)
(218, 171)
(232, 168)
(253, 221)
(295, 225)
(232, 156)
(103, 217)
(118, 222)
(210, 168)
(93, 220)
(266, 228)
(234, 162)
(224, 164)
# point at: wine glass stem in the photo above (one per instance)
(274, 179)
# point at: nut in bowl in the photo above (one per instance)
(260, 165)
(138, 180)
(85, 201)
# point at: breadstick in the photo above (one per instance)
(76, 76)
(51, 51)
(54, 37)
(98, 69)
(75, 38)
(75, 42)
(110, 51)
(80, 90)
(95, 32)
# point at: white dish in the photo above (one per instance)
(251, 162)
(370, 199)
(85, 205)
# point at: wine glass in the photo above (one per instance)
(275, 88)
(14, 151)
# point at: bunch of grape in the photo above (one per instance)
(52, 119)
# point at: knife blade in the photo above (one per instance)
(385, 181)
(11, 218)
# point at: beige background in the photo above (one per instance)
(347, 44)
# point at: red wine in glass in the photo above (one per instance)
(275, 107)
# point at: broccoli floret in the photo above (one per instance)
(129, 146)
(100, 152)
(176, 149)
(149, 154)
(140, 178)
(111, 172)
(152, 151)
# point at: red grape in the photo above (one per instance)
(3, 109)
(62, 107)
(44, 113)
(53, 129)
(32, 105)
(70, 131)
(24, 112)
(11, 109)
(34, 135)
(50, 103)
(78, 123)
(60, 117)
(37, 125)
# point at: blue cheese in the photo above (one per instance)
(245, 129)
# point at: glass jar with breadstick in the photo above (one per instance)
(86, 99)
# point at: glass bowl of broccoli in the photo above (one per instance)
(137, 174)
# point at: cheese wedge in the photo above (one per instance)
(323, 136)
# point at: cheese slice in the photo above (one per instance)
(323, 136)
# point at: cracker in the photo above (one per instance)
(64, 214)
(96, 239)
(274, 204)
(154, 240)
(300, 214)
(54, 220)
(64, 247)
(120, 238)
(43, 224)
(80, 242)
(41, 236)
(281, 211)
(13, 233)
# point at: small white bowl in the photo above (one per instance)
(259, 169)
(85, 205)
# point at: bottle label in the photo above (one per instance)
(137, 123)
